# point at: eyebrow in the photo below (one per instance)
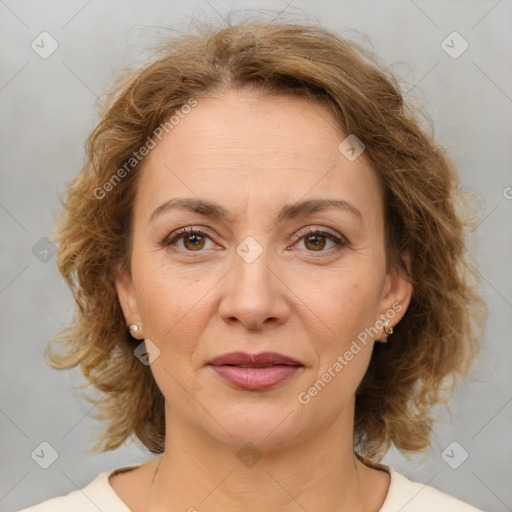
(288, 212)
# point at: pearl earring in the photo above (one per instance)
(135, 328)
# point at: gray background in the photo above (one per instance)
(47, 110)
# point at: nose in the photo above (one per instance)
(254, 294)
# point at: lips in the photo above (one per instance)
(255, 372)
(254, 360)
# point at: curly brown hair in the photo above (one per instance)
(438, 338)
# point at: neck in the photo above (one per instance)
(321, 472)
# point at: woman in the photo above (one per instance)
(258, 214)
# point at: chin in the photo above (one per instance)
(268, 425)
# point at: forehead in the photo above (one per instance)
(251, 153)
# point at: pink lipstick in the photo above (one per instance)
(255, 372)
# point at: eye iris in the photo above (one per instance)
(198, 241)
(315, 241)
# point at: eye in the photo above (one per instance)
(193, 239)
(315, 239)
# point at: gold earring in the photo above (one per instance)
(387, 327)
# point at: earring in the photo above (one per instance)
(135, 328)
(387, 327)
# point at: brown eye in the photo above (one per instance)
(196, 241)
(193, 239)
(316, 240)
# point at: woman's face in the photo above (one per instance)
(254, 280)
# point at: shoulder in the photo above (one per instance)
(408, 496)
(97, 495)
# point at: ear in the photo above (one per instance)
(128, 300)
(397, 291)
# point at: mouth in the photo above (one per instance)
(255, 372)
(243, 359)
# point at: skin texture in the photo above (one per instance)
(253, 155)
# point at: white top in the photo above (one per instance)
(403, 495)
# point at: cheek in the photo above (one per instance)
(172, 306)
(340, 304)
(174, 316)
(342, 347)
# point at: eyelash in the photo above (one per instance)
(182, 233)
